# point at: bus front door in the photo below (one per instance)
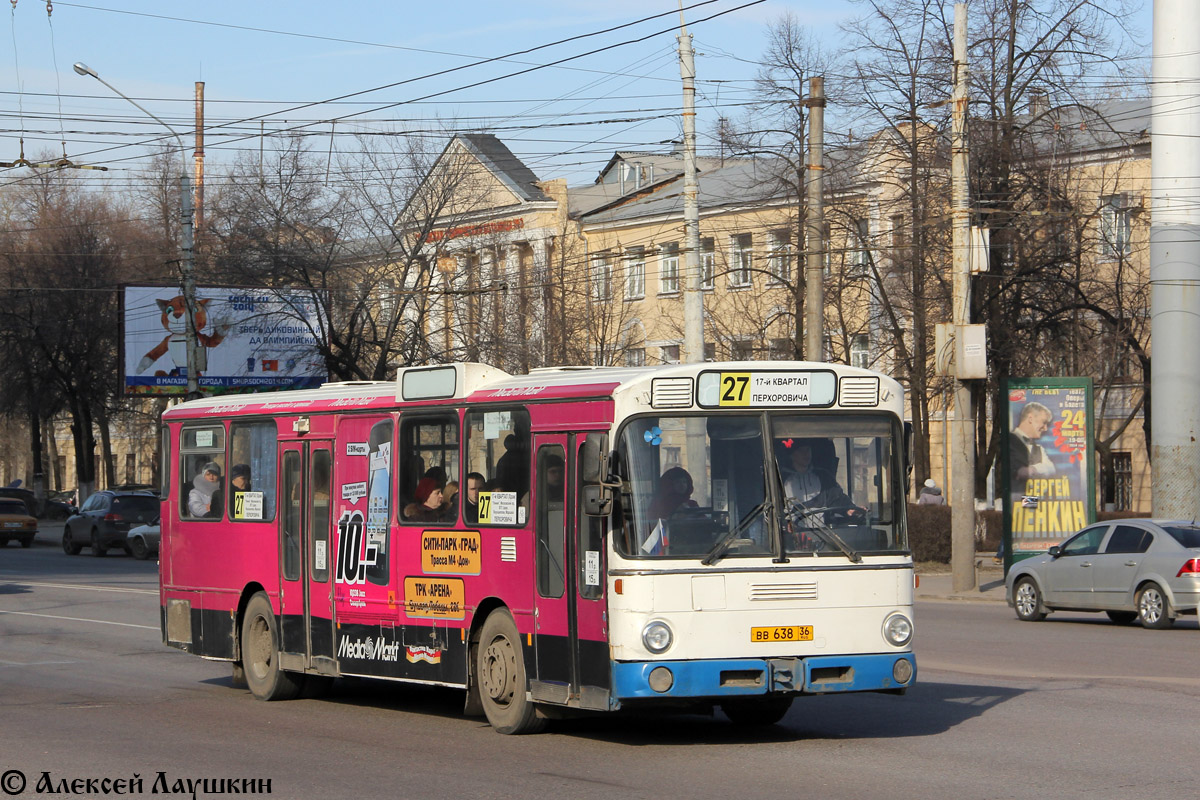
(306, 619)
(569, 605)
(554, 621)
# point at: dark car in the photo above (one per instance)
(105, 518)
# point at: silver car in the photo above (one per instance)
(1132, 569)
(143, 540)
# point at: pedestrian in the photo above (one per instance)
(930, 494)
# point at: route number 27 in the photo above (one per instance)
(735, 388)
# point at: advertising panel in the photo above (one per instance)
(1049, 482)
(252, 339)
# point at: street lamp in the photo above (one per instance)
(188, 259)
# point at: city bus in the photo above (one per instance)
(687, 537)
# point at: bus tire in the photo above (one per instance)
(756, 710)
(503, 684)
(260, 654)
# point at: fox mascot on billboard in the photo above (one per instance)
(175, 342)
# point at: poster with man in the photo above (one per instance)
(1049, 488)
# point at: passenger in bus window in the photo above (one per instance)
(427, 504)
(204, 487)
(320, 482)
(812, 486)
(674, 492)
(475, 483)
(512, 469)
(450, 496)
(438, 474)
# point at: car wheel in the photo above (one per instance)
(26, 542)
(98, 550)
(757, 711)
(260, 654)
(1028, 601)
(503, 685)
(1154, 609)
(69, 547)
(1122, 617)
(138, 549)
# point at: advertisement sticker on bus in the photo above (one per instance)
(450, 551)
(766, 389)
(435, 598)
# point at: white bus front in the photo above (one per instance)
(759, 555)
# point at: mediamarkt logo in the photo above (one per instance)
(376, 649)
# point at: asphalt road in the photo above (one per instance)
(1073, 707)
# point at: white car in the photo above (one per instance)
(1132, 569)
(143, 540)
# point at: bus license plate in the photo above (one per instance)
(782, 633)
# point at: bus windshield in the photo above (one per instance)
(730, 485)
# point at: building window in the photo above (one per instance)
(1123, 481)
(670, 353)
(130, 468)
(1115, 225)
(669, 269)
(635, 356)
(602, 278)
(782, 350)
(780, 257)
(899, 235)
(742, 259)
(707, 262)
(860, 350)
(710, 351)
(860, 256)
(635, 273)
(743, 350)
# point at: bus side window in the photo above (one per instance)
(428, 465)
(202, 479)
(498, 447)
(251, 479)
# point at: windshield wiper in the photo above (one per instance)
(823, 531)
(717, 552)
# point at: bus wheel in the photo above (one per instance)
(756, 710)
(260, 654)
(503, 684)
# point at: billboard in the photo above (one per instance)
(1049, 478)
(253, 340)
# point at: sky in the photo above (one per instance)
(271, 66)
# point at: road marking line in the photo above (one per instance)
(81, 619)
(10, 664)
(87, 588)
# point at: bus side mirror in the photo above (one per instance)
(597, 500)
(592, 461)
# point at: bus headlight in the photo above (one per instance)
(898, 629)
(657, 637)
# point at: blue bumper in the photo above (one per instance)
(756, 676)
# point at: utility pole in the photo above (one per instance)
(1175, 260)
(693, 298)
(814, 277)
(962, 515)
(198, 156)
